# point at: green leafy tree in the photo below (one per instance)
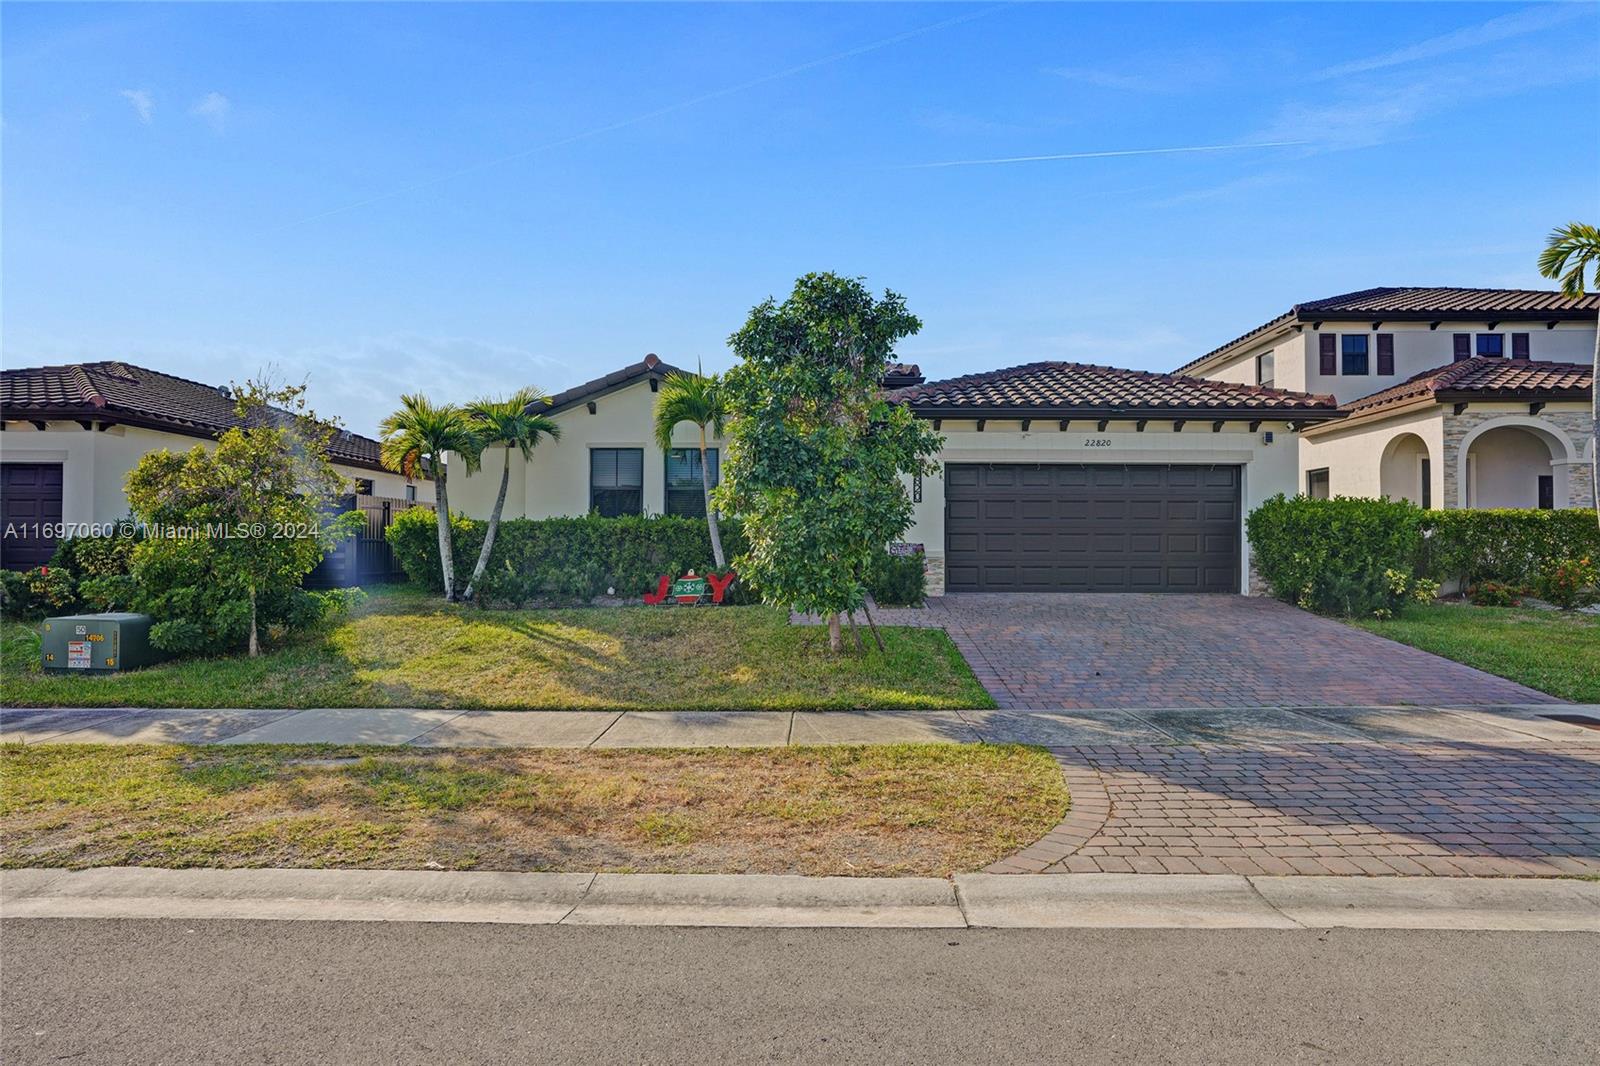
(695, 398)
(519, 422)
(1572, 251)
(815, 453)
(419, 435)
(232, 530)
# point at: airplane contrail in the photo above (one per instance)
(694, 101)
(1099, 155)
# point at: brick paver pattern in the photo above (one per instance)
(1448, 809)
(1147, 650)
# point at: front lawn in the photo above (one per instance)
(406, 649)
(1553, 651)
(932, 809)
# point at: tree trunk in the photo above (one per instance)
(255, 640)
(711, 512)
(874, 627)
(835, 636)
(447, 563)
(494, 527)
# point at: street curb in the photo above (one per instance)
(1127, 901)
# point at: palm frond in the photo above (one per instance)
(1569, 254)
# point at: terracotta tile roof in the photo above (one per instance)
(650, 366)
(1484, 377)
(1453, 301)
(902, 375)
(1080, 389)
(118, 392)
(1419, 303)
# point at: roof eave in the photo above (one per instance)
(1124, 414)
(1568, 314)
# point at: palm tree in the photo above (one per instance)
(515, 422)
(418, 435)
(694, 398)
(1573, 250)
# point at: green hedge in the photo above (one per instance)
(569, 558)
(1511, 547)
(1342, 556)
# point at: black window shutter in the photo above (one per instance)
(1329, 353)
(1519, 346)
(1386, 353)
(1463, 346)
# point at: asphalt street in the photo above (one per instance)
(148, 991)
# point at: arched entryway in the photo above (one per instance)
(1516, 466)
(1406, 470)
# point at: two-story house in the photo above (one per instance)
(1451, 397)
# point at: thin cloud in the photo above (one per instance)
(1100, 155)
(142, 102)
(1505, 27)
(681, 105)
(213, 108)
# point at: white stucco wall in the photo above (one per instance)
(1417, 348)
(1268, 469)
(556, 482)
(1354, 456)
(96, 463)
(1297, 362)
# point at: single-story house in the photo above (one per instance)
(1055, 476)
(72, 433)
(1451, 397)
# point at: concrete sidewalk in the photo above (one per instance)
(1108, 727)
(970, 901)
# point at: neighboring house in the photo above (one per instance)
(1056, 476)
(72, 433)
(1451, 397)
(606, 460)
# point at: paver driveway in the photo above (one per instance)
(1163, 650)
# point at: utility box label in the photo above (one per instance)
(78, 655)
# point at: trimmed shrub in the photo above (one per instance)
(1509, 547)
(898, 580)
(561, 558)
(1342, 556)
(1494, 594)
(90, 557)
(1569, 583)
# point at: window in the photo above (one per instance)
(1461, 346)
(686, 494)
(411, 494)
(1317, 484)
(1353, 353)
(616, 481)
(1547, 492)
(1327, 355)
(363, 486)
(1385, 354)
(1426, 474)
(1264, 369)
(1492, 344)
(1519, 346)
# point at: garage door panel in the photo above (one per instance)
(30, 503)
(1092, 527)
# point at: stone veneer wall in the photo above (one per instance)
(1577, 425)
(933, 570)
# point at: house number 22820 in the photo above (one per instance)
(1096, 442)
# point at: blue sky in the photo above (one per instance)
(462, 199)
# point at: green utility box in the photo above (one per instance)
(96, 643)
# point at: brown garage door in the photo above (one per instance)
(30, 506)
(1091, 528)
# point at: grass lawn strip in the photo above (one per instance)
(932, 809)
(405, 649)
(1553, 651)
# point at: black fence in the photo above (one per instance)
(364, 559)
